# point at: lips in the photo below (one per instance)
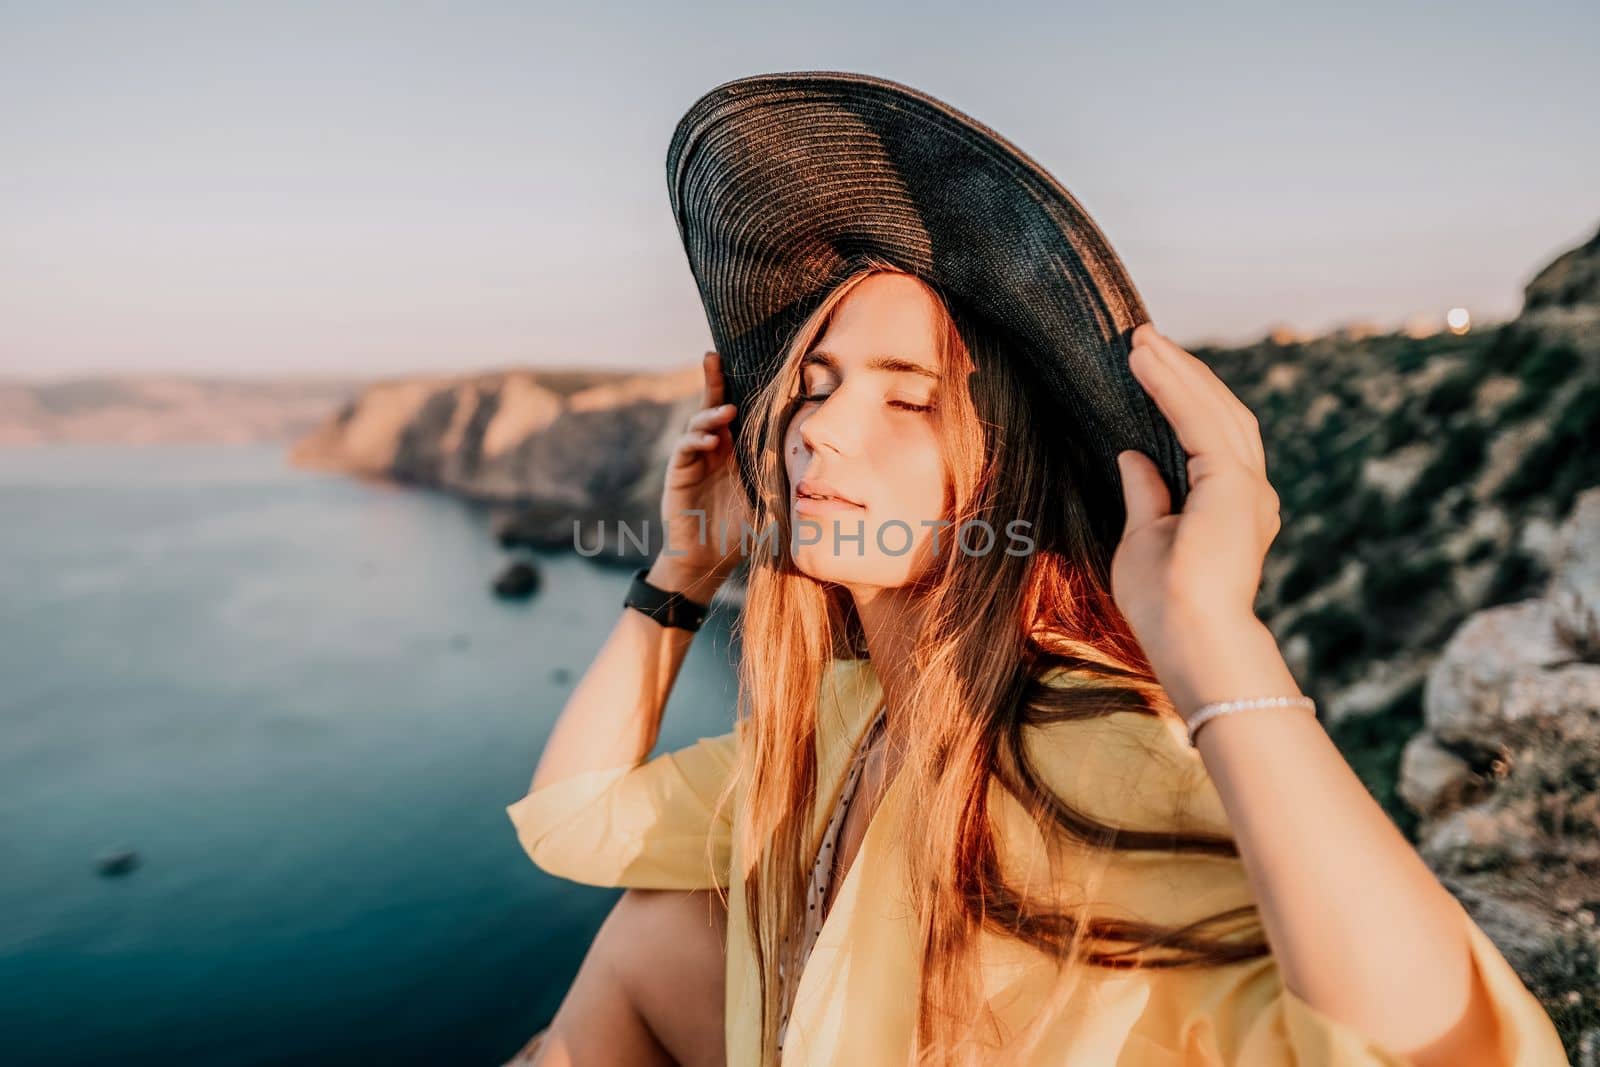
(816, 489)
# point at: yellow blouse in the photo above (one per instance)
(652, 826)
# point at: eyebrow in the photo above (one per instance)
(891, 364)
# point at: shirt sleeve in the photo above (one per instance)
(1255, 1020)
(660, 824)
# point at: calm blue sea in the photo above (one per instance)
(294, 696)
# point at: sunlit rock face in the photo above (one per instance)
(1505, 775)
(554, 447)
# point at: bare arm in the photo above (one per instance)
(613, 717)
(1360, 927)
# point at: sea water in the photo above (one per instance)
(293, 697)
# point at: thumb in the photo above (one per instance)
(1145, 495)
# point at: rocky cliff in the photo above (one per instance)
(555, 446)
(1505, 776)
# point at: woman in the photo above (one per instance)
(968, 812)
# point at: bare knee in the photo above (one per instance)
(651, 986)
(665, 937)
(672, 963)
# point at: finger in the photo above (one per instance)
(1199, 377)
(711, 367)
(1230, 410)
(709, 418)
(1144, 492)
(692, 444)
(1245, 431)
(1190, 411)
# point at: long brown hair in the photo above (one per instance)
(993, 623)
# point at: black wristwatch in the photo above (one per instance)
(667, 607)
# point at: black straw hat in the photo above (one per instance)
(780, 183)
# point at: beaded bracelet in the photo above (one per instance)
(1223, 707)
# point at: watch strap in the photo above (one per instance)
(667, 607)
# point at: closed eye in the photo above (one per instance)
(905, 405)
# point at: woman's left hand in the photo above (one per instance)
(1202, 565)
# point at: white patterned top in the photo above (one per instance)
(822, 869)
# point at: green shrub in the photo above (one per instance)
(1396, 583)
(1400, 427)
(1544, 371)
(1368, 514)
(1510, 348)
(1321, 485)
(1455, 393)
(1337, 639)
(1480, 551)
(1407, 514)
(1525, 403)
(1309, 494)
(1548, 366)
(1352, 518)
(1332, 425)
(1412, 354)
(1518, 576)
(1565, 461)
(1457, 462)
(1303, 576)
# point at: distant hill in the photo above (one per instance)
(166, 409)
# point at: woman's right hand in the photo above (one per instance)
(702, 477)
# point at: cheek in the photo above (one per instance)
(793, 449)
(917, 482)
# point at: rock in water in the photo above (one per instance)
(518, 581)
(117, 863)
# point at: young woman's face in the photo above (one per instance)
(867, 432)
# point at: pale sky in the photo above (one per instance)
(378, 188)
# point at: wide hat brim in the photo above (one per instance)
(780, 183)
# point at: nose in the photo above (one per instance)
(827, 426)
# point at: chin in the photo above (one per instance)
(813, 562)
(821, 565)
(818, 563)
